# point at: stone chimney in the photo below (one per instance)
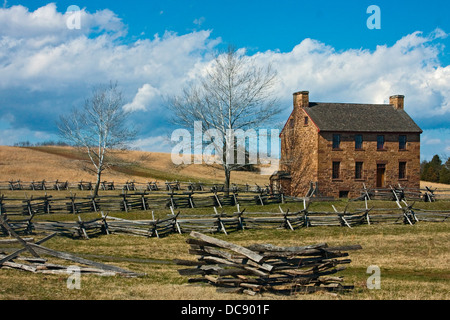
(398, 102)
(301, 99)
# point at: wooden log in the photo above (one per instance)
(16, 253)
(20, 266)
(293, 250)
(5, 224)
(290, 270)
(227, 245)
(230, 290)
(13, 241)
(73, 258)
(27, 259)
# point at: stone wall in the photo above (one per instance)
(299, 154)
(390, 157)
(308, 155)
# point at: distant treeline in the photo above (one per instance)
(41, 144)
(435, 170)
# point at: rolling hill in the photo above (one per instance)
(66, 164)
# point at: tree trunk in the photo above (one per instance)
(227, 181)
(97, 185)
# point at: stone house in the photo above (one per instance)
(341, 146)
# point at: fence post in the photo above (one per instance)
(104, 223)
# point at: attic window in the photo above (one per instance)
(402, 142)
(336, 141)
(380, 142)
(358, 141)
(306, 121)
(291, 123)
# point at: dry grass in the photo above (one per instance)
(441, 188)
(64, 163)
(414, 264)
(433, 185)
(414, 260)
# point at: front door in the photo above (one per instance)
(381, 172)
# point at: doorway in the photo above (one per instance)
(381, 174)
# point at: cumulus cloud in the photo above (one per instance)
(47, 69)
(46, 25)
(143, 99)
(410, 67)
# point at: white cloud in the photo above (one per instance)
(409, 67)
(46, 69)
(38, 51)
(432, 141)
(155, 144)
(11, 136)
(143, 98)
(47, 23)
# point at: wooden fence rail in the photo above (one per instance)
(399, 193)
(125, 201)
(129, 186)
(226, 223)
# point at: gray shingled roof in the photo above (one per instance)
(360, 117)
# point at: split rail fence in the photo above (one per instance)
(149, 200)
(221, 222)
(128, 185)
(389, 193)
(73, 204)
(394, 193)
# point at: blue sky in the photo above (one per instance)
(269, 25)
(153, 48)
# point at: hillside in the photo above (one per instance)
(65, 163)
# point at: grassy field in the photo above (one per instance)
(414, 262)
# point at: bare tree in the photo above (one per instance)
(98, 128)
(235, 93)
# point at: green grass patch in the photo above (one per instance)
(413, 260)
(410, 266)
